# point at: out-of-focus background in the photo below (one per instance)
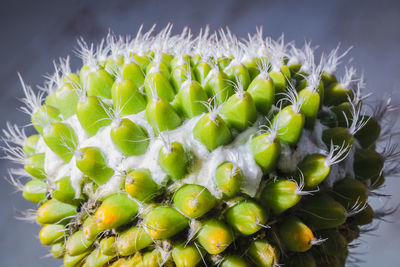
(33, 33)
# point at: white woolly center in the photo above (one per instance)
(202, 170)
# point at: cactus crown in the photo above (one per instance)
(175, 150)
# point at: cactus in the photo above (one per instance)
(178, 151)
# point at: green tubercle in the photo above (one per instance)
(212, 131)
(140, 185)
(129, 138)
(228, 179)
(164, 222)
(215, 236)
(194, 200)
(133, 240)
(91, 161)
(246, 217)
(92, 114)
(280, 195)
(61, 139)
(116, 210)
(127, 99)
(161, 115)
(173, 160)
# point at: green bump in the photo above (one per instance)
(161, 115)
(73, 261)
(194, 200)
(54, 211)
(201, 71)
(113, 62)
(217, 85)
(228, 179)
(246, 217)
(98, 83)
(179, 75)
(61, 139)
(266, 149)
(51, 234)
(116, 210)
(35, 191)
(64, 99)
(157, 66)
(58, 250)
(127, 99)
(152, 258)
(369, 133)
(156, 84)
(140, 185)
(364, 217)
(295, 235)
(90, 161)
(34, 165)
(65, 192)
(180, 60)
(314, 169)
(130, 138)
(290, 124)
(338, 136)
(142, 60)
(238, 74)
(90, 228)
(92, 114)
(212, 131)
(215, 236)
(234, 261)
(252, 68)
(310, 105)
(189, 100)
(262, 90)
(328, 79)
(30, 143)
(280, 195)
(132, 71)
(108, 246)
(164, 222)
(368, 164)
(132, 240)
(350, 192)
(342, 115)
(44, 117)
(173, 160)
(323, 212)
(280, 83)
(97, 259)
(239, 111)
(263, 254)
(186, 255)
(335, 94)
(77, 244)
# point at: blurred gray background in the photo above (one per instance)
(33, 33)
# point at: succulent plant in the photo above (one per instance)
(174, 150)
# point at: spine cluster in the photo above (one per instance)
(182, 150)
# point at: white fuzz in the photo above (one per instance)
(333, 60)
(337, 153)
(14, 134)
(276, 52)
(87, 54)
(307, 58)
(31, 100)
(349, 77)
(292, 97)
